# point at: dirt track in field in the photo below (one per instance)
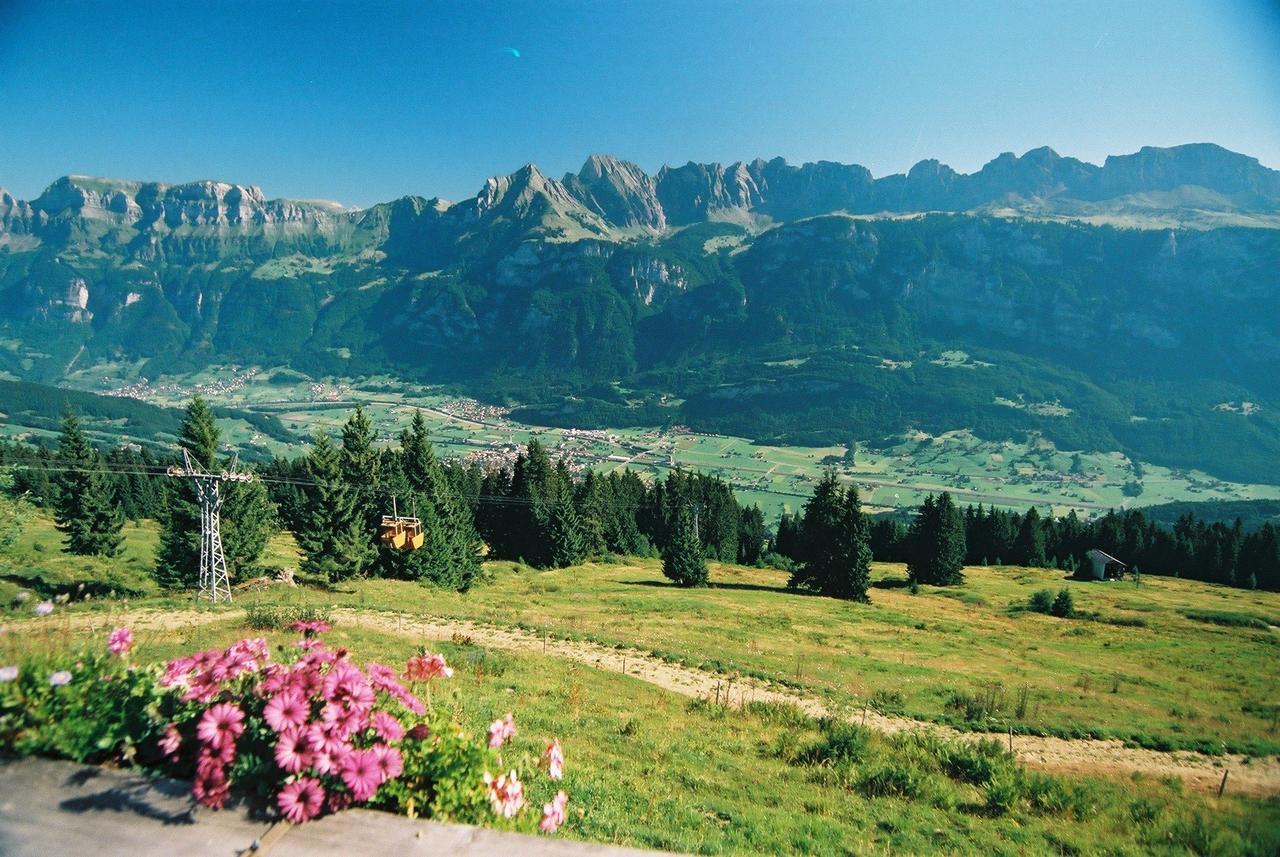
(1257, 776)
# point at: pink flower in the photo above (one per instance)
(361, 774)
(310, 627)
(8, 673)
(301, 800)
(44, 608)
(387, 727)
(506, 794)
(500, 731)
(120, 641)
(171, 742)
(390, 762)
(553, 814)
(293, 750)
(211, 786)
(384, 679)
(286, 709)
(427, 666)
(554, 757)
(60, 678)
(220, 725)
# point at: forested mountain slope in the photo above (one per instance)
(774, 301)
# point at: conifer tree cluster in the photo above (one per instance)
(936, 544)
(537, 512)
(85, 506)
(1192, 548)
(835, 554)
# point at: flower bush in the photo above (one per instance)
(309, 736)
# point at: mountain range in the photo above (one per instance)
(1133, 305)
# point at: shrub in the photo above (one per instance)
(1002, 794)
(976, 763)
(889, 779)
(1041, 601)
(280, 617)
(887, 701)
(779, 713)
(1231, 619)
(1063, 607)
(840, 741)
(100, 713)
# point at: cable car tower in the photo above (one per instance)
(214, 581)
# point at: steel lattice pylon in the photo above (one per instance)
(214, 580)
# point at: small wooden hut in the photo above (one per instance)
(1105, 566)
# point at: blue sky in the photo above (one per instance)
(362, 102)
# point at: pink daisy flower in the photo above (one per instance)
(293, 751)
(44, 608)
(211, 787)
(60, 678)
(361, 774)
(554, 758)
(220, 725)
(501, 731)
(171, 741)
(301, 800)
(390, 762)
(387, 727)
(120, 641)
(285, 710)
(553, 814)
(8, 673)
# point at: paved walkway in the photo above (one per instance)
(50, 808)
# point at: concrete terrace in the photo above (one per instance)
(50, 808)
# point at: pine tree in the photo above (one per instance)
(359, 464)
(849, 575)
(85, 508)
(682, 559)
(335, 542)
(819, 535)
(751, 535)
(566, 537)
(937, 545)
(1029, 545)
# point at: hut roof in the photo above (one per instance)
(1104, 555)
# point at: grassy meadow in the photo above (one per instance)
(1167, 664)
(652, 769)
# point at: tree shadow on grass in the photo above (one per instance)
(749, 587)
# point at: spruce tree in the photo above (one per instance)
(819, 526)
(85, 506)
(359, 463)
(937, 545)
(849, 576)
(682, 559)
(751, 535)
(1029, 546)
(335, 542)
(567, 538)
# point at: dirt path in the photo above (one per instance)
(1257, 776)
